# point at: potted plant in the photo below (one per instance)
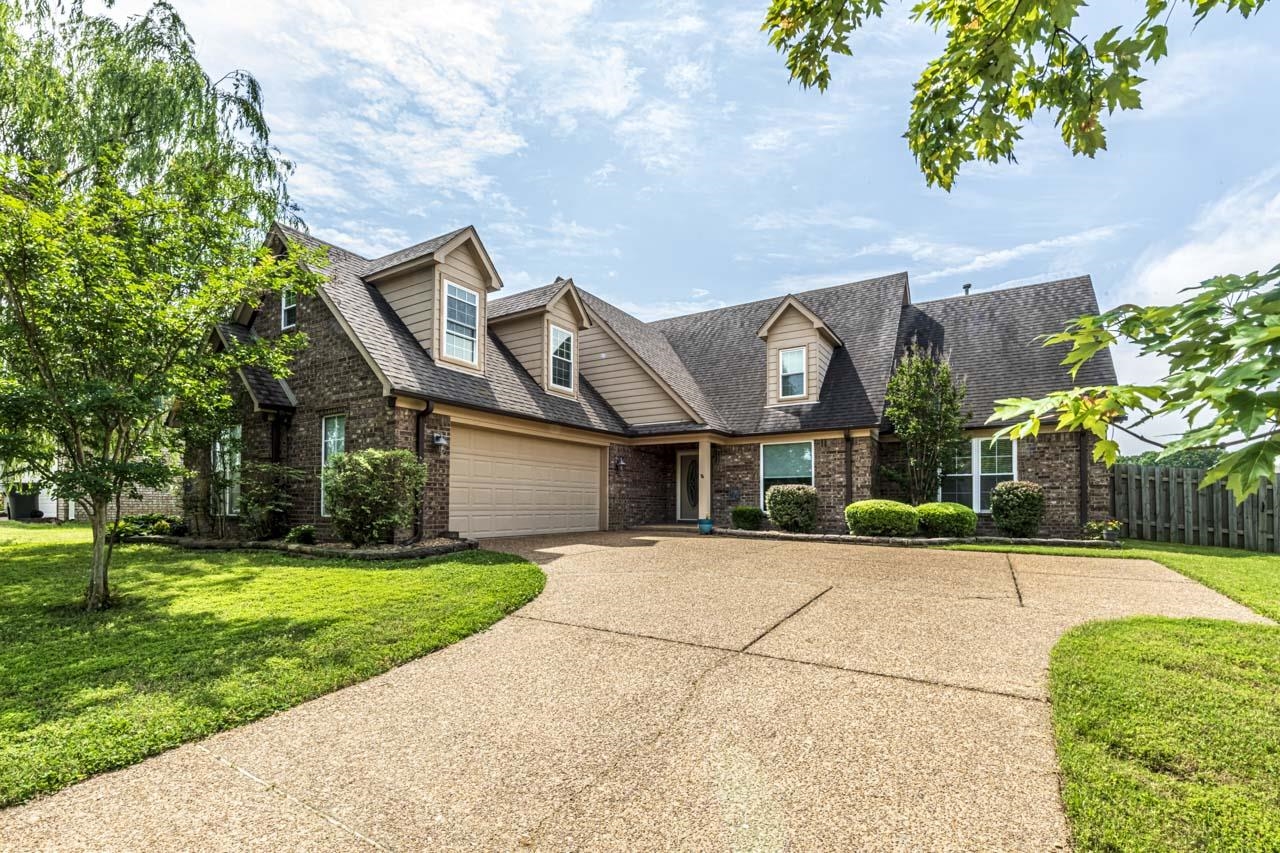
(1108, 529)
(704, 526)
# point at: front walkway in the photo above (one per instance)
(667, 692)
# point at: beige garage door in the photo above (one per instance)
(504, 484)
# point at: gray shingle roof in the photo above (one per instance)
(408, 369)
(993, 341)
(525, 300)
(268, 391)
(418, 250)
(722, 349)
(715, 362)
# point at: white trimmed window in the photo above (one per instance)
(226, 469)
(288, 310)
(791, 373)
(333, 443)
(561, 359)
(785, 464)
(971, 474)
(462, 310)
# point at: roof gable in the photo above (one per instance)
(791, 303)
(540, 299)
(434, 251)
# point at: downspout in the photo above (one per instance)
(848, 468)
(1083, 451)
(420, 451)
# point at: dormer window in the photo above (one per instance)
(461, 312)
(288, 310)
(791, 373)
(561, 359)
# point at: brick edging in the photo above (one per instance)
(408, 553)
(912, 541)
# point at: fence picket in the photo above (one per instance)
(1161, 504)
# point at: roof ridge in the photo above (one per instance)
(1071, 278)
(444, 238)
(799, 296)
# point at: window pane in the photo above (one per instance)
(792, 360)
(793, 385)
(790, 462)
(988, 483)
(958, 490)
(997, 456)
(960, 461)
(462, 346)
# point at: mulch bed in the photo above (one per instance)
(418, 550)
(912, 541)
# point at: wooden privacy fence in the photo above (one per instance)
(1162, 504)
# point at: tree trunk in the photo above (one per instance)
(98, 596)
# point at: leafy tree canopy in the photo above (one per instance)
(925, 404)
(1006, 60)
(135, 194)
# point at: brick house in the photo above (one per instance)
(552, 410)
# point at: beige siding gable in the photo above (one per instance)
(623, 382)
(461, 267)
(411, 296)
(792, 329)
(524, 338)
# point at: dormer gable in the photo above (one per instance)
(542, 329)
(440, 288)
(798, 349)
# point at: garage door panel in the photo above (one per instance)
(503, 484)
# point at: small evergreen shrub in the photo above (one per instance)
(265, 496)
(154, 523)
(794, 508)
(748, 517)
(947, 519)
(881, 518)
(372, 492)
(303, 534)
(1017, 507)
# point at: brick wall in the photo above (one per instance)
(435, 495)
(735, 479)
(166, 501)
(643, 491)
(829, 480)
(1053, 461)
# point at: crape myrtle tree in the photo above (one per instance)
(135, 195)
(925, 404)
(1006, 60)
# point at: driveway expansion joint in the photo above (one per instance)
(1013, 574)
(282, 792)
(778, 624)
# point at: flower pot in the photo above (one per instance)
(704, 526)
(1111, 535)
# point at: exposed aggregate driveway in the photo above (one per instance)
(667, 692)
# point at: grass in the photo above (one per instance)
(204, 641)
(1168, 730)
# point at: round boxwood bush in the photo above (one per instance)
(881, 518)
(794, 508)
(748, 517)
(947, 519)
(1017, 507)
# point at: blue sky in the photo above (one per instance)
(657, 153)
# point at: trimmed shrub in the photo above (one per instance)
(794, 508)
(265, 498)
(748, 517)
(303, 534)
(153, 523)
(1017, 507)
(372, 492)
(881, 518)
(947, 519)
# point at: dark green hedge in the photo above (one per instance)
(1017, 507)
(881, 518)
(794, 508)
(947, 519)
(748, 517)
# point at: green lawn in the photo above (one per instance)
(1168, 730)
(203, 641)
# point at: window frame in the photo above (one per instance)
(324, 453)
(975, 471)
(571, 388)
(288, 302)
(803, 373)
(220, 456)
(474, 361)
(812, 465)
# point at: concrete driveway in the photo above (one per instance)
(667, 692)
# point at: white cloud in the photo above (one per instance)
(659, 135)
(1192, 77)
(1238, 233)
(603, 176)
(367, 238)
(826, 216)
(559, 238)
(770, 139)
(956, 259)
(688, 78)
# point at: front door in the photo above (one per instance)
(687, 486)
